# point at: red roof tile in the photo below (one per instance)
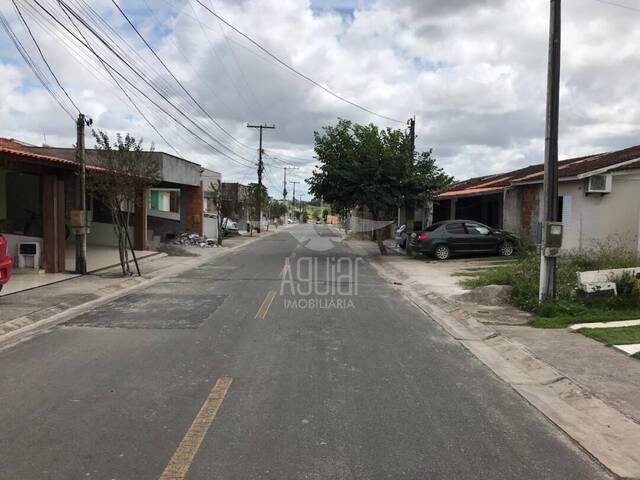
(615, 161)
(18, 149)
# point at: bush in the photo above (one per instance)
(523, 276)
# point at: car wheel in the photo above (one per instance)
(506, 249)
(442, 252)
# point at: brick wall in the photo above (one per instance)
(530, 211)
(194, 209)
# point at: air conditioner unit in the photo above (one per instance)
(600, 184)
(29, 255)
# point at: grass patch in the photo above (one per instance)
(614, 336)
(523, 276)
(636, 356)
(589, 316)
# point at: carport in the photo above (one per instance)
(482, 205)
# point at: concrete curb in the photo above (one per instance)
(26, 327)
(605, 433)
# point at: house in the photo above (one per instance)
(599, 200)
(172, 207)
(37, 193)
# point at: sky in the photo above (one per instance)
(473, 72)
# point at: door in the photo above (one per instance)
(457, 237)
(480, 238)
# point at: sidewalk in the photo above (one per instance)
(590, 391)
(29, 312)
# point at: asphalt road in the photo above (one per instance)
(244, 369)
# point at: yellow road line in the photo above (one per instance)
(264, 308)
(183, 457)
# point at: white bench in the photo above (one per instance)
(603, 281)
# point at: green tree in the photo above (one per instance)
(278, 209)
(128, 171)
(254, 192)
(364, 166)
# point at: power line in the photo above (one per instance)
(297, 72)
(235, 59)
(119, 85)
(35, 42)
(235, 86)
(147, 82)
(619, 5)
(32, 65)
(120, 56)
(202, 109)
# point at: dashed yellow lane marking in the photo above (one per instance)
(183, 457)
(264, 308)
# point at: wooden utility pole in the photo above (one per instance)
(260, 171)
(284, 188)
(412, 134)
(293, 204)
(548, 288)
(81, 229)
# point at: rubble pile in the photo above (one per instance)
(194, 240)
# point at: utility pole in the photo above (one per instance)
(260, 171)
(293, 204)
(412, 149)
(284, 187)
(80, 222)
(412, 134)
(548, 288)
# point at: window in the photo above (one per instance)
(477, 229)
(564, 209)
(164, 203)
(456, 228)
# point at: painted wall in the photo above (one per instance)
(102, 234)
(588, 219)
(593, 218)
(177, 170)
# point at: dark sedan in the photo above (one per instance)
(444, 239)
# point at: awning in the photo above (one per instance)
(469, 192)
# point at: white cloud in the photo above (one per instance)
(473, 72)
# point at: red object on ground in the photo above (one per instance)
(6, 264)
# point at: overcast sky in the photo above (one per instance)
(473, 72)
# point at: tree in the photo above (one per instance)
(325, 214)
(216, 189)
(363, 166)
(127, 172)
(254, 192)
(278, 209)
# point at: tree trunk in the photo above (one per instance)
(378, 236)
(220, 229)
